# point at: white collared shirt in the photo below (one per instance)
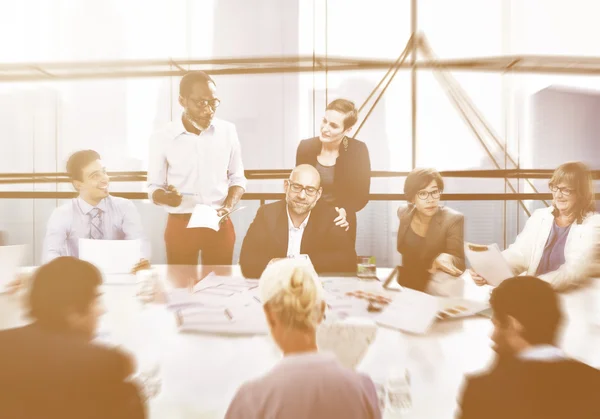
(295, 235)
(202, 167)
(72, 221)
(546, 353)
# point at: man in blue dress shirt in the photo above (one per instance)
(94, 214)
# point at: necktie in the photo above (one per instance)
(96, 230)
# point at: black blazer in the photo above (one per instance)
(352, 176)
(328, 246)
(47, 374)
(518, 389)
(445, 235)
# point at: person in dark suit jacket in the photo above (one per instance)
(50, 369)
(342, 162)
(297, 226)
(430, 237)
(531, 378)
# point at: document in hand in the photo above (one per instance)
(111, 256)
(204, 216)
(411, 311)
(488, 262)
(11, 258)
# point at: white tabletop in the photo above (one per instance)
(201, 373)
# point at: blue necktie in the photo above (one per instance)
(96, 230)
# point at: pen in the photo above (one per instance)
(228, 314)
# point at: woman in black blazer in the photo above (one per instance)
(342, 162)
(430, 236)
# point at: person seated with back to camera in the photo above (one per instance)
(557, 243)
(430, 236)
(532, 377)
(298, 226)
(305, 384)
(51, 368)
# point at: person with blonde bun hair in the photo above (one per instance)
(305, 383)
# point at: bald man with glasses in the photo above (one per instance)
(297, 226)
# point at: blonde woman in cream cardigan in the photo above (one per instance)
(557, 243)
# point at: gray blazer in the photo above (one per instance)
(445, 235)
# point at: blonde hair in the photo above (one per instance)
(292, 291)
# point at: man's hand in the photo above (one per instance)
(478, 279)
(170, 196)
(224, 210)
(444, 262)
(21, 281)
(143, 264)
(14, 286)
(340, 220)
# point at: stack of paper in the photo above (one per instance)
(488, 262)
(111, 256)
(411, 311)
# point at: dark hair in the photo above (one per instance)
(533, 303)
(419, 179)
(578, 176)
(191, 78)
(346, 107)
(61, 286)
(78, 161)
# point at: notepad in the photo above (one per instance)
(205, 216)
(488, 262)
(111, 256)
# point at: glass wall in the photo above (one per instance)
(541, 120)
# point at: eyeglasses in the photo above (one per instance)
(564, 191)
(297, 188)
(201, 103)
(423, 195)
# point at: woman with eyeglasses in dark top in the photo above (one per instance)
(557, 243)
(430, 236)
(342, 162)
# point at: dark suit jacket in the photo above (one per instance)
(352, 176)
(328, 246)
(516, 389)
(445, 235)
(47, 374)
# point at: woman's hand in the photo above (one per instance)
(445, 263)
(478, 279)
(340, 221)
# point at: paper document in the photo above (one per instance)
(111, 256)
(11, 258)
(488, 262)
(453, 308)
(411, 311)
(204, 216)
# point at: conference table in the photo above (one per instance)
(200, 372)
